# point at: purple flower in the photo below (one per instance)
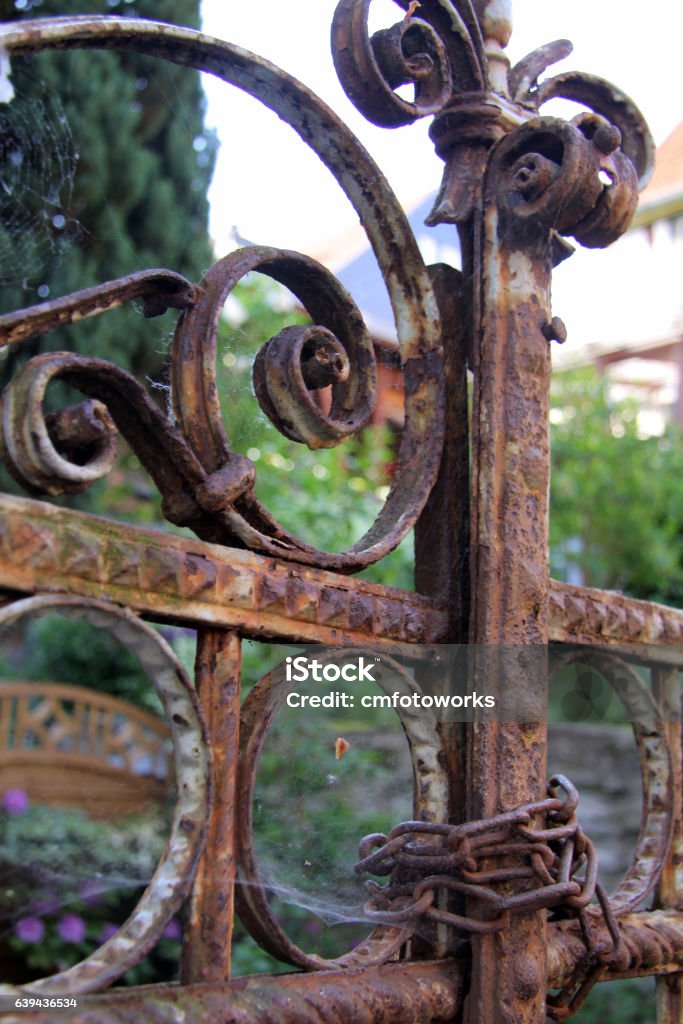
(29, 929)
(71, 928)
(106, 932)
(172, 929)
(15, 801)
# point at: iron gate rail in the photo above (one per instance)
(516, 184)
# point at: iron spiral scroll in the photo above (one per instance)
(438, 47)
(452, 52)
(204, 483)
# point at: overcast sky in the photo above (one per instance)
(277, 193)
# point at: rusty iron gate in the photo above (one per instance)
(497, 849)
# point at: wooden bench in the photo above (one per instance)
(71, 746)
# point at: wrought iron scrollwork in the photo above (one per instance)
(519, 181)
(568, 178)
(442, 51)
(433, 49)
(438, 47)
(204, 483)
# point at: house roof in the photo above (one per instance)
(362, 277)
(357, 269)
(663, 196)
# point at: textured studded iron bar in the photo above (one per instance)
(191, 582)
(407, 993)
(421, 993)
(584, 615)
(652, 944)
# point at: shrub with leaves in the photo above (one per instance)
(616, 496)
(67, 883)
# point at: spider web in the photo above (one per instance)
(38, 160)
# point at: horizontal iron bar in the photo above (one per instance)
(423, 993)
(652, 943)
(583, 615)
(393, 994)
(46, 548)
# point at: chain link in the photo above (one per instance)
(540, 846)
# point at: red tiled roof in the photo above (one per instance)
(667, 181)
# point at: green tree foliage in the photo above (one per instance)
(72, 651)
(616, 496)
(138, 198)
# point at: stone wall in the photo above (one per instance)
(602, 762)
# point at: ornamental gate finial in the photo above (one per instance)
(453, 52)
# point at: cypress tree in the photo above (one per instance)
(105, 164)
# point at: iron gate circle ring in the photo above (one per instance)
(657, 774)
(173, 876)
(431, 802)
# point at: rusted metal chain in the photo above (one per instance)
(592, 967)
(548, 857)
(540, 845)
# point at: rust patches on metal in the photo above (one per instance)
(191, 582)
(506, 761)
(555, 331)
(444, 524)
(371, 67)
(42, 453)
(512, 180)
(244, 521)
(583, 615)
(407, 993)
(337, 351)
(204, 484)
(542, 177)
(540, 843)
(208, 932)
(402, 993)
(652, 943)
(571, 178)
(279, 368)
(159, 289)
